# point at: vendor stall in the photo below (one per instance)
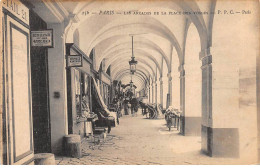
(79, 93)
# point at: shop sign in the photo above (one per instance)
(42, 38)
(74, 61)
(17, 9)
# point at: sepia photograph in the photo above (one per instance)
(129, 82)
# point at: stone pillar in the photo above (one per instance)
(182, 99)
(192, 101)
(153, 92)
(161, 91)
(232, 120)
(176, 90)
(170, 87)
(156, 92)
(149, 94)
(220, 106)
(206, 127)
(164, 90)
(57, 86)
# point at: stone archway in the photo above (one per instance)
(191, 123)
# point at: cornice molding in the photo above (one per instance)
(49, 4)
(64, 11)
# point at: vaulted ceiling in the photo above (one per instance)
(155, 36)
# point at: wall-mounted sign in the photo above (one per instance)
(17, 9)
(74, 60)
(42, 38)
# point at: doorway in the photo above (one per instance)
(17, 91)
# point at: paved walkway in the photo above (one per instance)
(140, 141)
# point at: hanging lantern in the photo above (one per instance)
(132, 62)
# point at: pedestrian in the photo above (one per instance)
(126, 106)
(134, 106)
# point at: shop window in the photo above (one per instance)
(82, 82)
(78, 92)
(85, 105)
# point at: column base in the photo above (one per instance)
(190, 126)
(220, 142)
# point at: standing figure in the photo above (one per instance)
(134, 106)
(126, 106)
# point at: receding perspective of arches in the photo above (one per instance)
(129, 82)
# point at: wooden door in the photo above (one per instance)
(17, 73)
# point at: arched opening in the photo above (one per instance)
(193, 84)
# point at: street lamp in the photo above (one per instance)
(132, 62)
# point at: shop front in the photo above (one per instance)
(105, 88)
(79, 91)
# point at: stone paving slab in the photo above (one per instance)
(139, 141)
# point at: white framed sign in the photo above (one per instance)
(74, 60)
(43, 38)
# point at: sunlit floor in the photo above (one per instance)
(138, 140)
